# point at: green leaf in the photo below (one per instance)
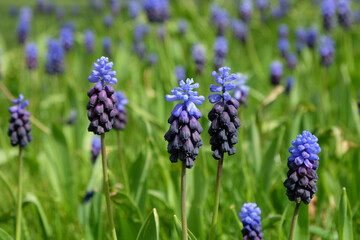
(345, 228)
(302, 224)
(4, 235)
(150, 228)
(32, 199)
(178, 227)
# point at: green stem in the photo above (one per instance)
(293, 223)
(217, 198)
(106, 187)
(19, 206)
(183, 201)
(122, 163)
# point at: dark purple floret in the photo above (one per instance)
(20, 125)
(157, 10)
(183, 136)
(219, 17)
(102, 102)
(327, 51)
(198, 54)
(245, 10)
(303, 163)
(180, 73)
(54, 58)
(276, 72)
(120, 119)
(289, 84)
(328, 9)
(291, 61)
(95, 148)
(89, 195)
(183, 26)
(311, 37)
(134, 8)
(251, 220)
(240, 30)
(107, 46)
(23, 25)
(31, 54)
(344, 13)
(224, 115)
(221, 50)
(89, 39)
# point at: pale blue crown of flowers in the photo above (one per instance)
(102, 72)
(224, 79)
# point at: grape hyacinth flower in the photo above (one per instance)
(344, 13)
(311, 37)
(277, 12)
(153, 58)
(220, 18)
(284, 6)
(140, 31)
(262, 5)
(327, 51)
(223, 116)
(89, 194)
(101, 112)
(95, 148)
(198, 54)
(120, 119)
(115, 7)
(301, 36)
(60, 13)
(283, 31)
(289, 84)
(157, 10)
(303, 163)
(240, 30)
(184, 132)
(67, 38)
(183, 26)
(221, 50)
(31, 54)
(251, 220)
(108, 20)
(107, 46)
(140, 49)
(97, 5)
(134, 9)
(291, 61)
(89, 39)
(54, 58)
(20, 125)
(276, 72)
(245, 10)
(328, 9)
(241, 91)
(180, 73)
(23, 25)
(283, 46)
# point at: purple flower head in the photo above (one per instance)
(180, 73)
(153, 58)
(60, 13)
(89, 195)
(161, 31)
(220, 18)
(95, 148)
(301, 36)
(97, 5)
(291, 61)
(54, 58)
(289, 84)
(221, 47)
(277, 12)
(108, 20)
(198, 54)
(23, 25)
(283, 46)
(283, 31)
(311, 37)
(89, 39)
(13, 11)
(75, 9)
(245, 10)
(67, 38)
(70, 25)
(103, 72)
(241, 91)
(122, 100)
(327, 51)
(157, 10)
(276, 71)
(262, 5)
(115, 6)
(344, 13)
(189, 98)
(328, 9)
(31, 54)
(251, 220)
(140, 49)
(19, 105)
(240, 30)
(140, 31)
(107, 46)
(183, 26)
(224, 79)
(134, 8)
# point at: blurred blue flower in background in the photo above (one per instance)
(31, 54)
(55, 58)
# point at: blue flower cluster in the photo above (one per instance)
(89, 39)
(95, 148)
(54, 58)
(23, 25)
(134, 9)
(276, 72)
(180, 73)
(220, 18)
(198, 54)
(241, 91)
(67, 38)
(240, 30)
(157, 10)
(251, 220)
(327, 51)
(31, 54)
(245, 10)
(221, 50)
(106, 42)
(328, 9)
(344, 13)
(103, 72)
(224, 79)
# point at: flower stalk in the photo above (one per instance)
(19, 205)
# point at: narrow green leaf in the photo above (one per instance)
(302, 224)
(179, 229)
(4, 235)
(345, 228)
(150, 228)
